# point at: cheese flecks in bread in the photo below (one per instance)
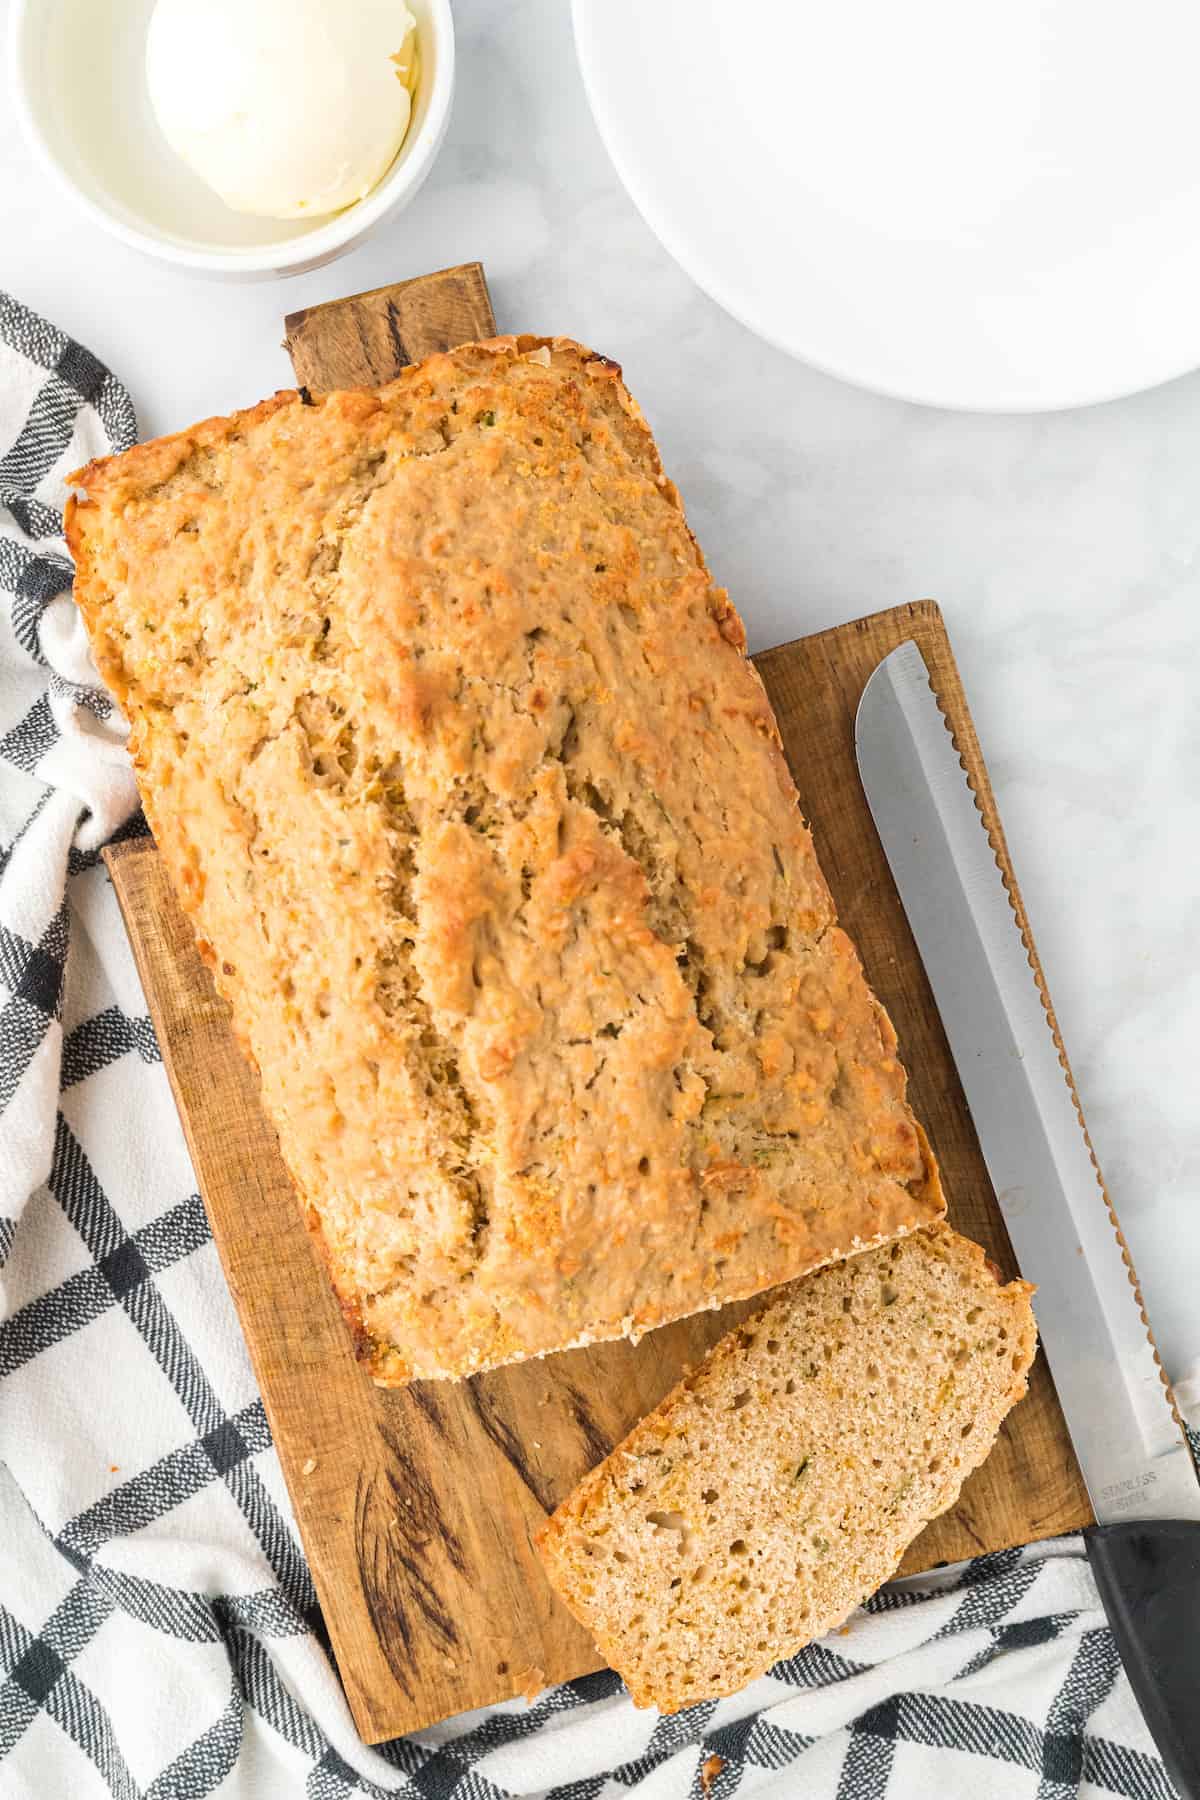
(455, 759)
(780, 1484)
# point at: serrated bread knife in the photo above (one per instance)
(1145, 1547)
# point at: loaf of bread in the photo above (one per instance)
(455, 759)
(779, 1485)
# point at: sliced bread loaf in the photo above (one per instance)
(455, 759)
(778, 1485)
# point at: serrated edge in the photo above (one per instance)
(998, 845)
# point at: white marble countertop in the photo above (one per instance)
(1065, 549)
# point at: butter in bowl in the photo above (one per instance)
(241, 138)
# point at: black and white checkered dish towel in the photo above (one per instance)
(159, 1634)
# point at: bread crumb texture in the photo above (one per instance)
(456, 761)
(776, 1488)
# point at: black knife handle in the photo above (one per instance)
(1148, 1573)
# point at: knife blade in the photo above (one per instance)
(1131, 1448)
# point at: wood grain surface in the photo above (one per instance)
(367, 339)
(417, 1506)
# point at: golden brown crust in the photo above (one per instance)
(452, 751)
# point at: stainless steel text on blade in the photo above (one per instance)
(1133, 1455)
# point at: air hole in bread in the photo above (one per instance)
(934, 1464)
(644, 1165)
(967, 1429)
(847, 1303)
(888, 1295)
(738, 1547)
(667, 1521)
(789, 1386)
(872, 1372)
(709, 1495)
(740, 1400)
(620, 1556)
(772, 1346)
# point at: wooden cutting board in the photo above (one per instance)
(417, 1506)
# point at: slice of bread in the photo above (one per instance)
(778, 1485)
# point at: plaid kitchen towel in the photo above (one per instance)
(159, 1634)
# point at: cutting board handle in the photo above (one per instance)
(366, 339)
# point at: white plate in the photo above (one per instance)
(986, 206)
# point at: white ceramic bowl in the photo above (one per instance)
(79, 87)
